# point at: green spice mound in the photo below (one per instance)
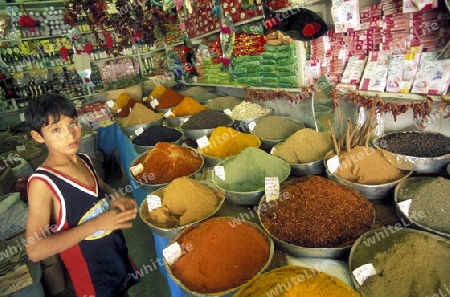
(246, 172)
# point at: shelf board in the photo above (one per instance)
(254, 19)
(46, 68)
(31, 38)
(26, 3)
(293, 90)
(405, 96)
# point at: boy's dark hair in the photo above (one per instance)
(39, 110)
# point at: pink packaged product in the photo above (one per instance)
(375, 72)
(433, 76)
(311, 72)
(402, 70)
(346, 15)
(354, 70)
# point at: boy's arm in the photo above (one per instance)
(40, 207)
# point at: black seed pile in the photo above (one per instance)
(154, 134)
(422, 145)
(207, 119)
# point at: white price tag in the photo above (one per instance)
(153, 202)
(220, 172)
(139, 131)
(202, 141)
(228, 112)
(271, 188)
(168, 114)
(363, 272)
(251, 125)
(172, 253)
(404, 206)
(20, 148)
(137, 169)
(110, 103)
(333, 164)
(22, 117)
(154, 103)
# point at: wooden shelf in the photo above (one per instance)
(31, 38)
(399, 96)
(33, 2)
(46, 68)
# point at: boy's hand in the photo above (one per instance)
(124, 203)
(115, 219)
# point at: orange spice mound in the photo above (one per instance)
(222, 256)
(167, 161)
(169, 99)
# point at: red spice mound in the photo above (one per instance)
(318, 213)
(169, 99)
(223, 255)
(167, 161)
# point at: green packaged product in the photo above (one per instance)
(239, 59)
(254, 81)
(287, 68)
(287, 61)
(269, 74)
(269, 68)
(268, 62)
(285, 73)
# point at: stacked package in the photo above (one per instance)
(241, 10)
(202, 20)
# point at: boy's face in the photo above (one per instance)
(62, 136)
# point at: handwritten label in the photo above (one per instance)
(154, 103)
(220, 172)
(110, 103)
(135, 170)
(153, 202)
(22, 117)
(404, 206)
(202, 141)
(20, 148)
(139, 131)
(172, 253)
(228, 112)
(363, 272)
(333, 164)
(168, 114)
(251, 126)
(271, 188)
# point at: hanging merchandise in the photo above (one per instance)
(5, 22)
(226, 40)
(299, 23)
(346, 15)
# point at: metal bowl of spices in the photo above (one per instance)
(371, 192)
(272, 130)
(297, 250)
(146, 184)
(147, 140)
(418, 150)
(430, 209)
(129, 131)
(171, 232)
(242, 125)
(176, 122)
(254, 236)
(302, 169)
(203, 123)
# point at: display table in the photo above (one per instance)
(110, 139)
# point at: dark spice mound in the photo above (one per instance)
(422, 145)
(207, 119)
(154, 134)
(316, 212)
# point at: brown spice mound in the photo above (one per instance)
(318, 213)
(223, 255)
(167, 161)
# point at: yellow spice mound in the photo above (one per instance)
(122, 100)
(304, 146)
(296, 281)
(156, 93)
(226, 142)
(140, 114)
(367, 166)
(188, 106)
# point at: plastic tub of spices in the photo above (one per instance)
(421, 151)
(422, 202)
(316, 217)
(219, 257)
(382, 190)
(154, 134)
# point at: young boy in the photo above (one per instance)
(66, 196)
